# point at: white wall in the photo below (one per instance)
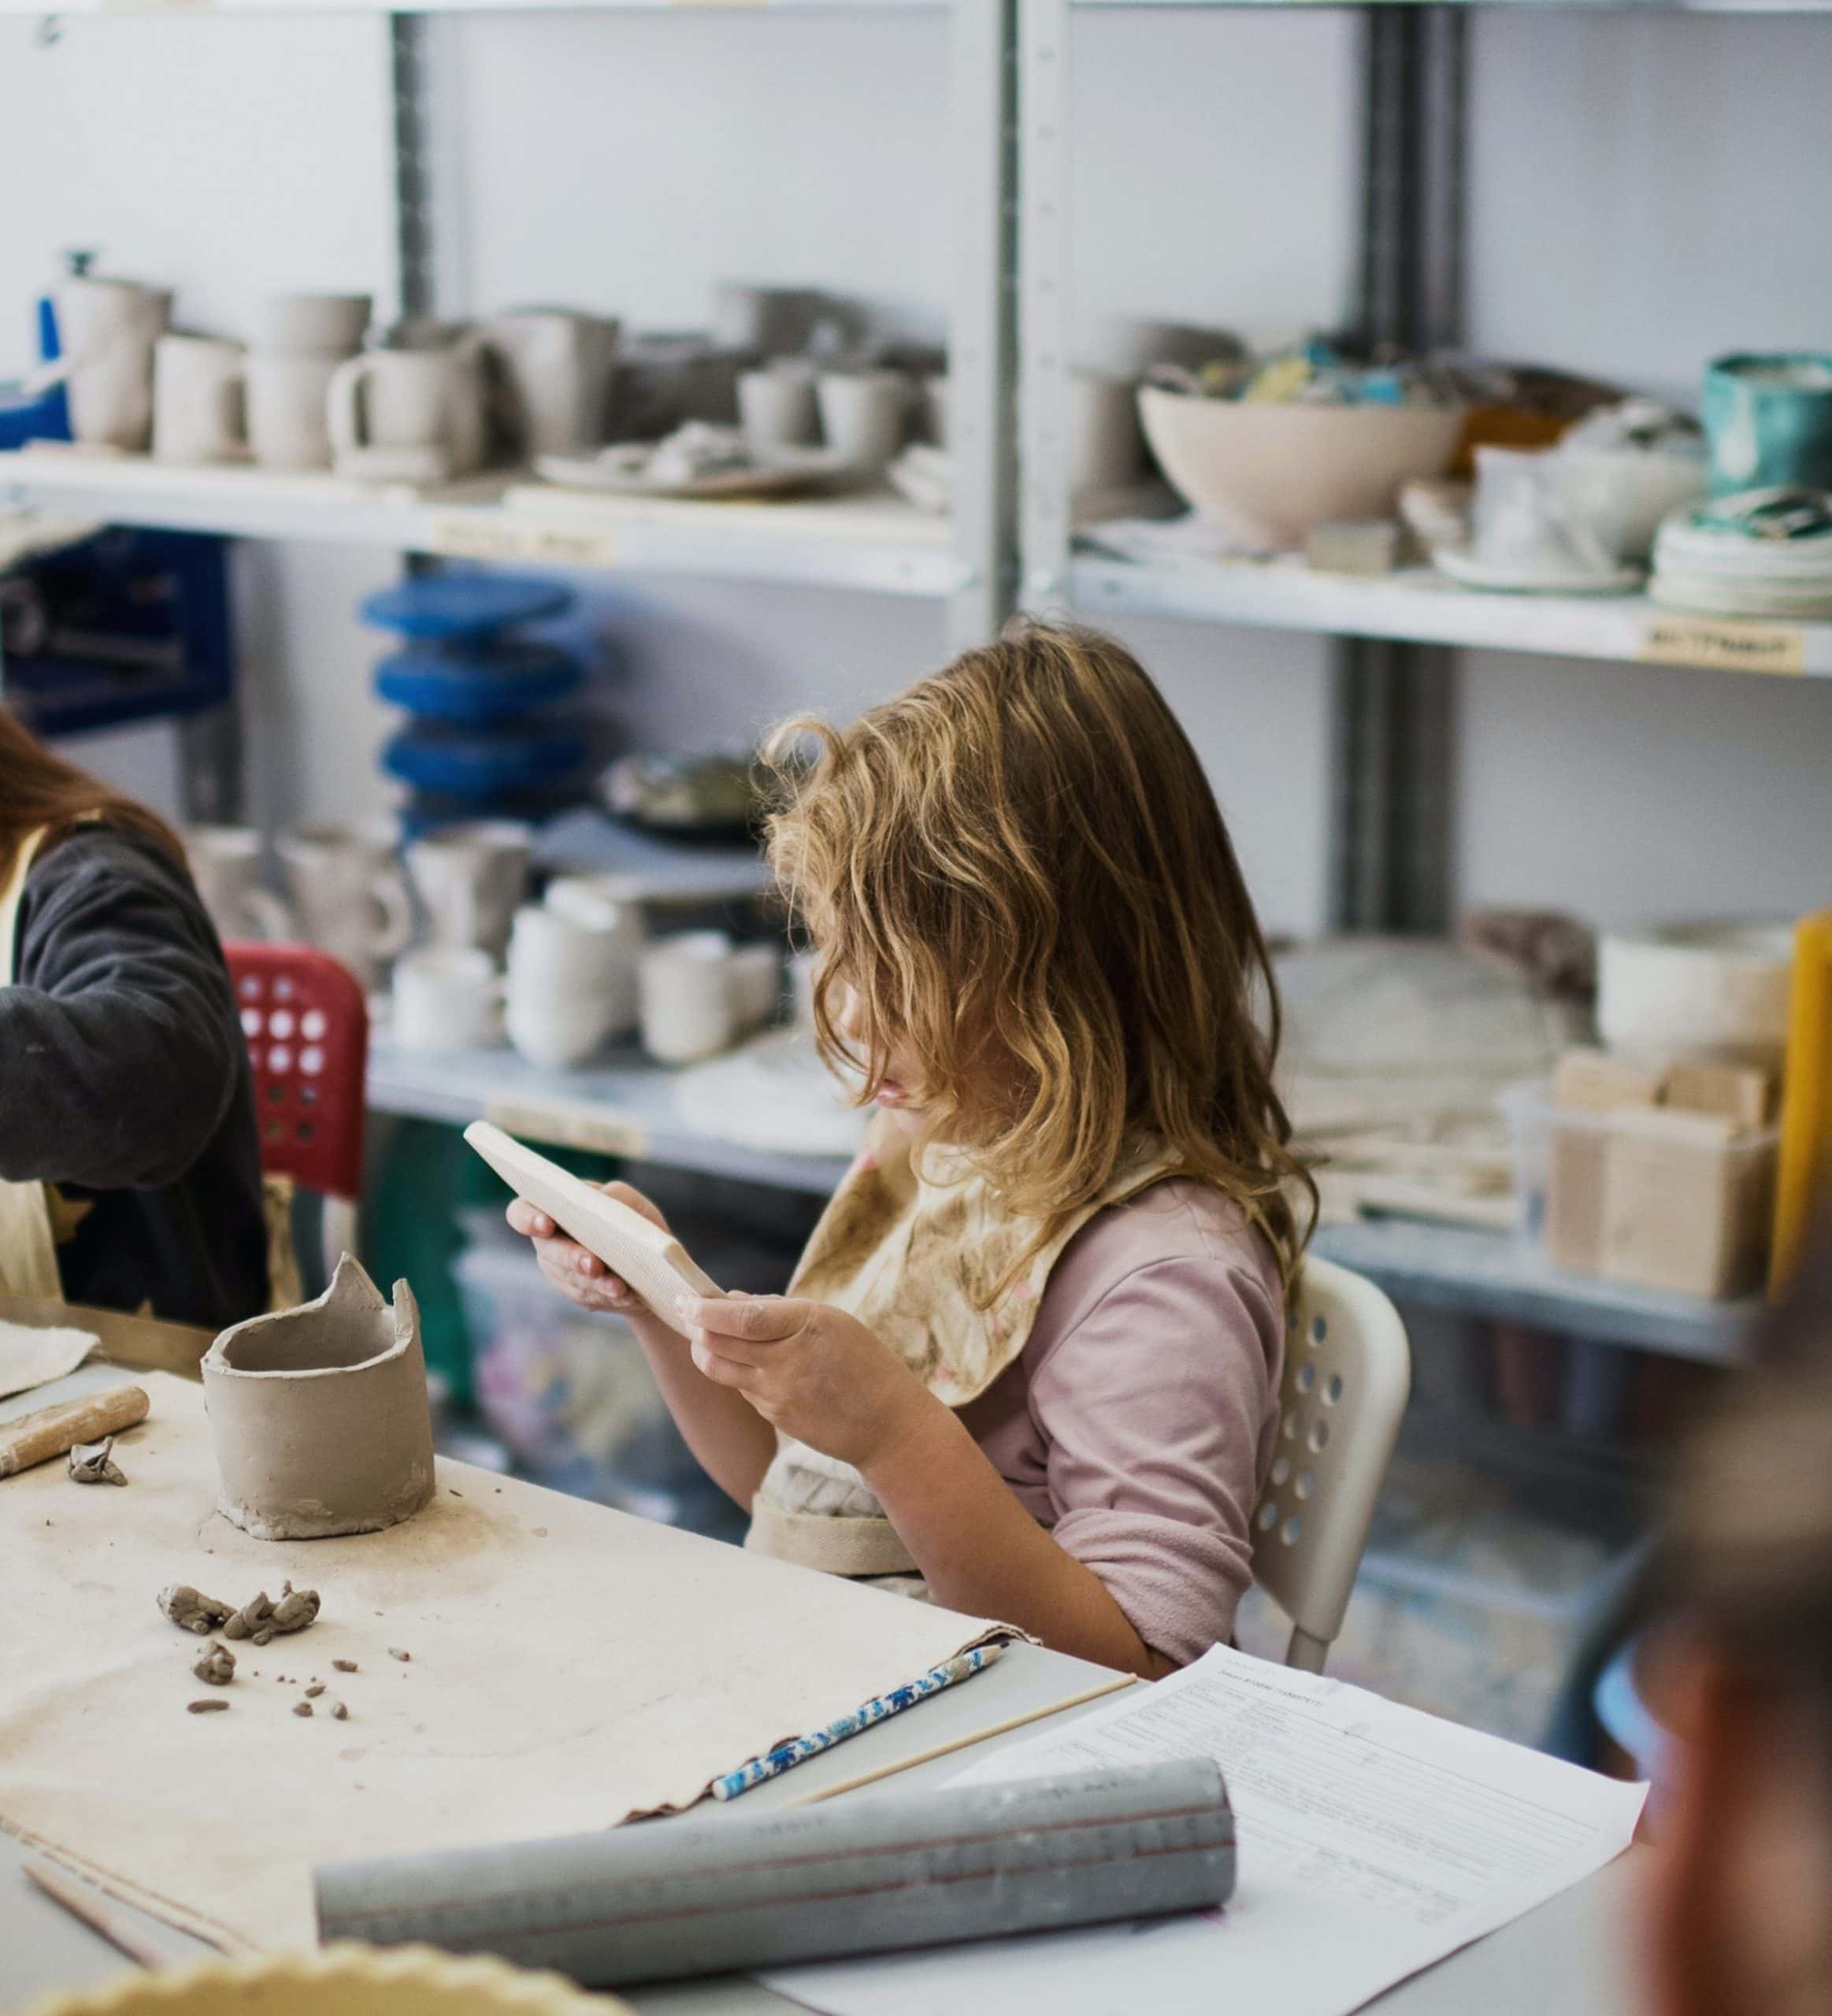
(1628, 215)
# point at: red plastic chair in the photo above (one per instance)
(307, 1027)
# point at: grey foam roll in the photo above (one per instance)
(708, 1894)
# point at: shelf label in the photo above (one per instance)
(486, 534)
(570, 1127)
(1720, 643)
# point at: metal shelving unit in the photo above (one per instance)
(1009, 113)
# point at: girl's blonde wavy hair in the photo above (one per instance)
(1018, 867)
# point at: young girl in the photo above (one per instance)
(1031, 1356)
(130, 1170)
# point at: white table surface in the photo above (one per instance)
(1568, 1957)
(1564, 1958)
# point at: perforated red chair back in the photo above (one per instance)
(307, 1027)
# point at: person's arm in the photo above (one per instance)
(820, 1375)
(731, 1440)
(118, 1044)
(1150, 1408)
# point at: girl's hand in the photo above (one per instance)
(582, 1276)
(814, 1372)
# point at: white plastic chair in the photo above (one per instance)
(1348, 1373)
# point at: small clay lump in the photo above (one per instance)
(89, 1463)
(216, 1666)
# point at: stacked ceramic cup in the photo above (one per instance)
(304, 338)
(569, 967)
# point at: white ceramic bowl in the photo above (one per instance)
(1622, 493)
(1271, 472)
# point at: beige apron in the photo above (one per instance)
(918, 1255)
(28, 1257)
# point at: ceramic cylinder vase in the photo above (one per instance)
(320, 1414)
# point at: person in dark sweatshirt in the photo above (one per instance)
(129, 1166)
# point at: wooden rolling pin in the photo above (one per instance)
(36, 1438)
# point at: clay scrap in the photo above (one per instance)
(320, 1414)
(207, 1707)
(258, 1620)
(217, 1666)
(191, 1611)
(89, 1463)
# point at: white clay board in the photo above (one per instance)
(653, 1262)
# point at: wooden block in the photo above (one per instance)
(1593, 1081)
(1575, 1178)
(1740, 1092)
(1686, 1204)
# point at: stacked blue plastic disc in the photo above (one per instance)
(488, 732)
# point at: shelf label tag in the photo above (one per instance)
(1720, 643)
(487, 535)
(570, 1127)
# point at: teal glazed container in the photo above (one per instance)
(1768, 421)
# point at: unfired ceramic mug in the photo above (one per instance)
(776, 406)
(226, 864)
(470, 879)
(446, 999)
(689, 1012)
(414, 414)
(555, 368)
(198, 407)
(350, 895)
(107, 329)
(287, 392)
(864, 414)
(324, 324)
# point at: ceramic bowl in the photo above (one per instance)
(1270, 473)
(1622, 493)
(406, 1980)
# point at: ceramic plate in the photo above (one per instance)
(618, 471)
(1474, 573)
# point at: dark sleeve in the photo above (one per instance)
(119, 1042)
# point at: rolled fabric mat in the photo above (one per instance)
(717, 1893)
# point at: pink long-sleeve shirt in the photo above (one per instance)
(1138, 1424)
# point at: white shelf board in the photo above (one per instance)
(1504, 1279)
(1425, 607)
(871, 541)
(621, 1105)
(625, 1105)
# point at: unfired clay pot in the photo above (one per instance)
(320, 1414)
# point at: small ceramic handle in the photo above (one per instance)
(272, 916)
(344, 403)
(389, 891)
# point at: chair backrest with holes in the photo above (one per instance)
(1348, 1374)
(307, 1027)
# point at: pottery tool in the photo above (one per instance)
(798, 1749)
(968, 1738)
(83, 1904)
(706, 1895)
(653, 1262)
(36, 1438)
